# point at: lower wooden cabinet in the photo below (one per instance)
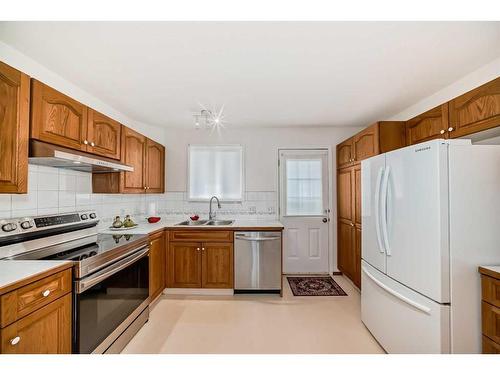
(490, 310)
(157, 263)
(200, 265)
(45, 331)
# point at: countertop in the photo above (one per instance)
(493, 271)
(17, 273)
(168, 223)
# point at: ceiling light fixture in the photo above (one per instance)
(209, 120)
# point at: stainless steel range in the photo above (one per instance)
(110, 274)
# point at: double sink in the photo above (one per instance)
(206, 222)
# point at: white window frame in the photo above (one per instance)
(242, 173)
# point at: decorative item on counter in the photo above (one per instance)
(128, 222)
(117, 223)
(194, 217)
(153, 219)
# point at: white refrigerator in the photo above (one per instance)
(430, 217)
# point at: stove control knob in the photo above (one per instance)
(92, 215)
(9, 227)
(26, 224)
(84, 217)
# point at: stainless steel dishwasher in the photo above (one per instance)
(257, 262)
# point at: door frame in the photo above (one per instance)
(332, 191)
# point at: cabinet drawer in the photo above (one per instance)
(25, 300)
(491, 290)
(491, 321)
(45, 331)
(490, 347)
(201, 235)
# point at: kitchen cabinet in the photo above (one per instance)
(200, 259)
(345, 153)
(476, 110)
(428, 125)
(57, 118)
(490, 310)
(103, 135)
(14, 128)
(382, 136)
(345, 197)
(346, 248)
(133, 154)
(35, 314)
(155, 167)
(157, 264)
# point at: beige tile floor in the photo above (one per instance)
(261, 324)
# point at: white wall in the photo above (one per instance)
(480, 76)
(29, 66)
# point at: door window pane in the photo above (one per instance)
(304, 193)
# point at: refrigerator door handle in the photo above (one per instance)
(399, 296)
(385, 188)
(377, 210)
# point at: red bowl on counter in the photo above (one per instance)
(153, 219)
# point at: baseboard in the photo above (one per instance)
(198, 291)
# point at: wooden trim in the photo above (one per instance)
(489, 272)
(35, 277)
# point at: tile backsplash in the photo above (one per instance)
(54, 190)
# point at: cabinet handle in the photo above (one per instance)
(441, 132)
(85, 142)
(46, 293)
(202, 249)
(450, 129)
(92, 144)
(15, 340)
(197, 249)
(352, 224)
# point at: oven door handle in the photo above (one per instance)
(89, 282)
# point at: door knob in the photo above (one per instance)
(325, 220)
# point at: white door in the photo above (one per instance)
(372, 248)
(416, 229)
(304, 210)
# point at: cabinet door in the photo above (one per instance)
(345, 153)
(133, 154)
(155, 167)
(429, 125)
(14, 127)
(366, 143)
(56, 118)
(476, 110)
(157, 265)
(45, 331)
(357, 194)
(345, 198)
(345, 248)
(103, 135)
(356, 254)
(217, 265)
(184, 265)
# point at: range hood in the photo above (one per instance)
(41, 153)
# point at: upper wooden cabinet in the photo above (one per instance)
(14, 128)
(155, 167)
(56, 118)
(345, 153)
(383, 136)
(477, 110)
(103, 135)
(428, 125)
(133, 154)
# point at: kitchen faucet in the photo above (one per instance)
(211, 215)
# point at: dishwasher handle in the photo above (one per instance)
(245, 238)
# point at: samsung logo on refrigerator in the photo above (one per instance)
(423, 149)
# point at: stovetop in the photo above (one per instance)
(104, 243)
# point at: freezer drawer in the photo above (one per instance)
(401, 320)
(257, 261)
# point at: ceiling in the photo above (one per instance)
(264, 73)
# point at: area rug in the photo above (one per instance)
(315, 286)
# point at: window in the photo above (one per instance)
(215, 170)
(304, 187)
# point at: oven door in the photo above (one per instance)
(106, 301)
